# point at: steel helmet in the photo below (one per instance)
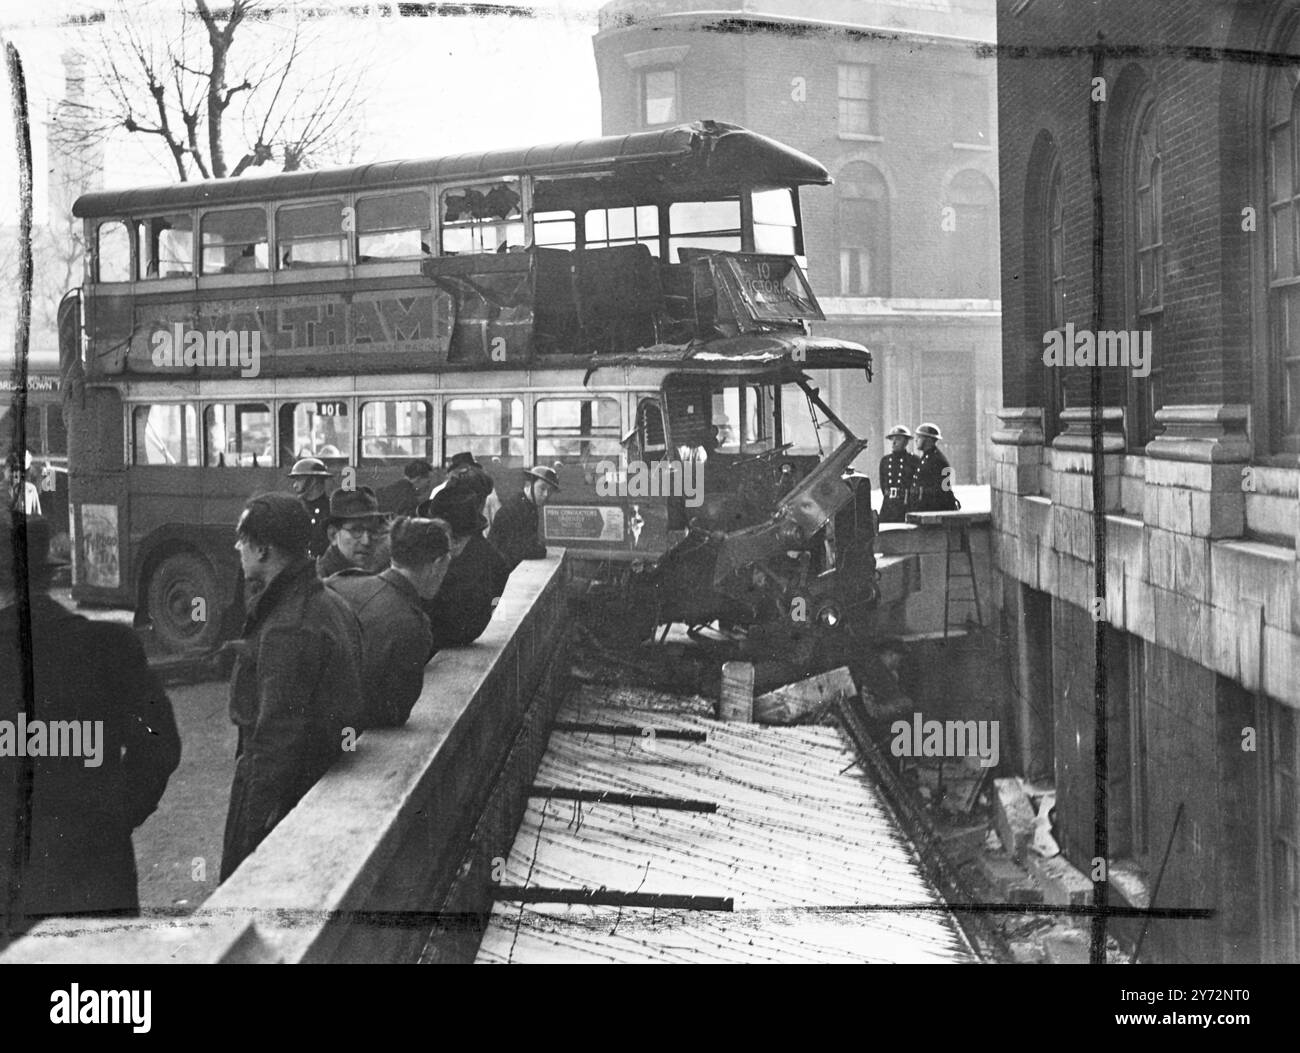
(309, 466)
(929, 429)
(545, 474)
(898, 429)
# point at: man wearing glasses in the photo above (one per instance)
(358, 534)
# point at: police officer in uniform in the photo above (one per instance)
(309, 479)
(897, 475)
(933, 477)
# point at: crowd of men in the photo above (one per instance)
(379, 582)
(346, 594)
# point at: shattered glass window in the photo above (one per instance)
(483, 217)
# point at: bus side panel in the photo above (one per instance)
(194, 508)
(98, 494)
(587, 516)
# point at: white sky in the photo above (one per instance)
(433, 86)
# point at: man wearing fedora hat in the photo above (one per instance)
(897, 475)
(87, 791)
(463, 466)
(403, 497)
(309, 479)
(358, 533)
(296, 684)
(477, 576)
(933, 487)
(516, 530)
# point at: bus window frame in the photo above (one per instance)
(348, 457)
(223, 278)
(657, 238)
(317, 271)
(269, 403)
(97, 260)
(161, 282)
(744, 230)
(616, 434)
(188, 442)
(432, 400)
(524, 185)
(430, 193)
(526, 436)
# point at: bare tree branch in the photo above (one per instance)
(235, 80)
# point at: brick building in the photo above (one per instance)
(1197, 132)
(897, 99)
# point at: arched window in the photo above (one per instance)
(1283, 388)
(1049, 233)
(1149, 248)
(971, 237)
(1146, 268)
(1054, 248)
(863, 230)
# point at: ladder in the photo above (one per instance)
(957, 528)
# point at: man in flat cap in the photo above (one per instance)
(358, 534)
(897, 475)
(94, 779)
(516, 530)
(296, 684)
(477, 575)
(395, 638)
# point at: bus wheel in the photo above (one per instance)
(184, 603)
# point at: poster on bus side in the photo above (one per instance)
(99, 549)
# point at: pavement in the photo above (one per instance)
(178, 849)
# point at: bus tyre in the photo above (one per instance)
(180, 621)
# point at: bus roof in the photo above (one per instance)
(711, 150)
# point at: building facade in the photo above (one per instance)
(1150, 178)
(897, 99)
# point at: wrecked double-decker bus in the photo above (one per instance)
(630, 311)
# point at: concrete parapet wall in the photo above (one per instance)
(362, 869)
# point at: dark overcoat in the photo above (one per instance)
(79, 859)
(296, 685)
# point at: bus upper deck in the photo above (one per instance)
(489, 260)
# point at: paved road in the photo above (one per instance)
(178, 850)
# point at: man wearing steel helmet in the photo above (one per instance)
(933, 475)
(516, 530)
(309, 479)
(897, 475)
